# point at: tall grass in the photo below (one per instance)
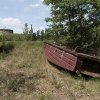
(25, 74)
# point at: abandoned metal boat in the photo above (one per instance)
(79, 60)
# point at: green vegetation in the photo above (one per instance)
(6, 47)
(77, 20)
(72, 23)
(26, 74)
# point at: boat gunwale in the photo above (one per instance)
(61, 48)
(83, 55)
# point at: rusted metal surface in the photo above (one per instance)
(78, 60)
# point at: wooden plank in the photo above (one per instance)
(70, 61)
(70, 56)
(59, 61)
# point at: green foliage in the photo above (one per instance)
(41, 97)
(42, 35)
(15, 82)
(41, 81)
(55, 83)
(95, 37)
(38, 34)
(48, 34)
(31, 33)
(11, 85)
(34, 37)
(7, 47)
(76, 19)
(26, 32)
(3, 38)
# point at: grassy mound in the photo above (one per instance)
(25, 74)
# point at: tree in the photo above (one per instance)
(75, 19)
(48, 34)
(31, 33)
(26, 32)
(34, 37)
(38, 34)
(42, 35)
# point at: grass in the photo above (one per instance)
(25, 74)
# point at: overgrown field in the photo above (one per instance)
(25, 74)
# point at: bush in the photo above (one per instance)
(6, 47)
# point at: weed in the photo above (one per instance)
(3, 55)
(11, 85)
(71, 95)
(55, 83)
(45, 97)
(25, 65)
(41, 97)
(7, 47)
(30, 85)
(82, 85)
(15, 81)
(25, 74)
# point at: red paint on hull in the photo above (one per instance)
(75, 60)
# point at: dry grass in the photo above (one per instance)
(25, 74)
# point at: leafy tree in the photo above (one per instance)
(26, 32)
(34, 37)
(42, 35)
(48, 34)
(38, 34)
(76, 19)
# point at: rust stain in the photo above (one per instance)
(78, 60)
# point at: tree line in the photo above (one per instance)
(72, 23)
(39, 35)
(27, 35)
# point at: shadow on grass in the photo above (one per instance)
(74, 75)
(6, 48)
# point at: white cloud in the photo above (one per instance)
(10, 21)
(35, 5)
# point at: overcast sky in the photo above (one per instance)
(15, 13)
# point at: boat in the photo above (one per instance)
(78, 60)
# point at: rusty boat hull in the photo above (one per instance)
(73, 60)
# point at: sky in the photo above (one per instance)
(15, 13)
